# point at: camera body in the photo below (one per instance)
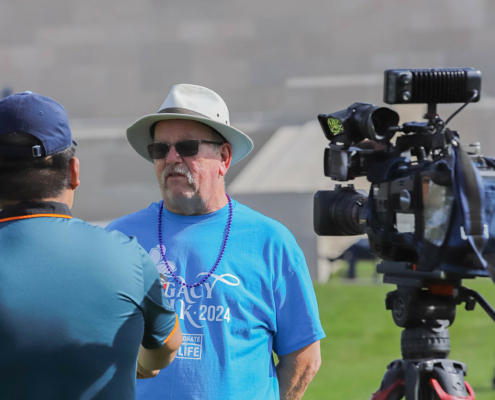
(429, 203)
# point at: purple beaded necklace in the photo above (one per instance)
(222, 249)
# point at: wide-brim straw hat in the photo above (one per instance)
(194, 103)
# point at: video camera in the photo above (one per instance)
(428, 215)
(430, 204)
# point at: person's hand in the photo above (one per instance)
(142, 373)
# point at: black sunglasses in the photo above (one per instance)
(185, 148)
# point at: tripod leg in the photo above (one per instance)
(392, 386)
(447, 381)
(393, 392)
(445, 396)
(412, 382)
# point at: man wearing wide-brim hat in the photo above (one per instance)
(238, 280)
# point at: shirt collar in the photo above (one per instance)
(35, 208)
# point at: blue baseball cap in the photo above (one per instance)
(39, 116)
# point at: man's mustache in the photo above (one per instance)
(177, 169)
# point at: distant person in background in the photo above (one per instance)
(76, 301)
(359, 251)
(238, 279)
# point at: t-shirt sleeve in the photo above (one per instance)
(298, 321)
(160, 320)
(117, 225)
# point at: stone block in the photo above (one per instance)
(164, 65)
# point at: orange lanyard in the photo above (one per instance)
(35, 216)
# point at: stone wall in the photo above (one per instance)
(275, 63)
(118, 58)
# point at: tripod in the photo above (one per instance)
(424, 304)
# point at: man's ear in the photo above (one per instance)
(226, 158)
(74, 181)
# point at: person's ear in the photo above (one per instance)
(226, 158)
(74, 181)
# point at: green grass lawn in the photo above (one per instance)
(362, 339)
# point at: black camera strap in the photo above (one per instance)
(468, 188)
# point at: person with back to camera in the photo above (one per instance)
(76, 301)
(238, 280)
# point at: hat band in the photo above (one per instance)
(179, 110)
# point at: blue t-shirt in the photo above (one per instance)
(259, 299)
(76, 301)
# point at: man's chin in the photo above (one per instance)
(176, 195)
(187, 202)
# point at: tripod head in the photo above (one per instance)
(426, 296)
(424, 304)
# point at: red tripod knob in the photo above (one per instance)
(445, 396)
(382, 395)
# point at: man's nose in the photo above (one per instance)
(173, 157)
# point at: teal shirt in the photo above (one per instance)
(76, 301)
